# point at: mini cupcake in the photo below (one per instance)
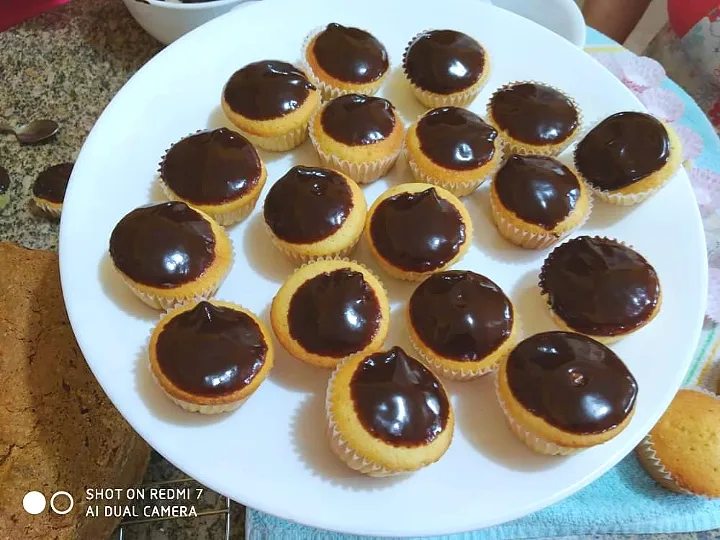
(452, 148)
(534, 118)
(388, 414)
(536, 201)
(682, 451)
(329, 310)
(445, 68)
(4, 187)
(48, 191)
(461, 323)
(563, 392)
(628, 157)
(415, 230)
(271, 102)
(170, 253)
(218, 172)
(342, 60)
(358, 135)
(600, 287)
(312, 213)
(210, 356)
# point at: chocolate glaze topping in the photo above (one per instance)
(358, 120)
(534, 113)
(572, 382)
(307, 205)
(211, 350)
(622, 149)
(539, 190)
(600, 287)
(51, 183)
(212, 167)
(334, 314)
(267, 89)
(417, 232)
(456, 138)
(350, 54)
(461, 315)
(399, 400)
(4, 180)
(444, 61)
(163, 245)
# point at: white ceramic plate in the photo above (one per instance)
(272, 454)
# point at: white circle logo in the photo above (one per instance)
(70, 504)
(34, 502)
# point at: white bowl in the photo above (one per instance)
(167, 21)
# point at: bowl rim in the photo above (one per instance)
(188, 7)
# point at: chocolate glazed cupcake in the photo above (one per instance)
(600, 287)
(345, 60)
(48, 191)
(445, 68)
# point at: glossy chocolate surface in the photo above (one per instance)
(267, 89)
(398, 400)
(461, 315)
(534, 113)
(600, 287)
(163, 245)
(574, 383)
(622, 149)
(358, 120)
(538, 190)
(444, 61)
(417, 232)
(307, 205)
(211, 350)
(456, 138)
(334, 314)
(350, 54)
(4, 180)
(212, 167)
(51, 183)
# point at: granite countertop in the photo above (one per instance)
(67, 65)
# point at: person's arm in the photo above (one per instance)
(614, 18)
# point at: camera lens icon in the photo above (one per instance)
(35, 502)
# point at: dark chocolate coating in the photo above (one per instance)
(52, 182)
(334, 314)
(307, 205)
(358, 120)
(461, 315)
(267, 89)
(600, 287)
(212, 167)
(574, 383)
(4, 181)
(163, 245)
(444, 61)
(538, 190)
(398, 400)
(622, 149)
(417, 232)
(211, 350)
(534, 113)
(350, 54)
(456, 138)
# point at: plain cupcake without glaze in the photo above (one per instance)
(445, 68)
(210, 356)
(312, 212)
(388, 414)
(628, 157)
(461, 323)
(562, 392)
(345, 60)
(600, 287)
(271, 103)
(48, 191)
(414, 230)
(536, 201)
(452, 148)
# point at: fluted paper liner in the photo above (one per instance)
(47, 207)
(278, 143)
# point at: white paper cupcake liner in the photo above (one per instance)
(278, 143)
(447, 372)
(302, 258)
(47, 207)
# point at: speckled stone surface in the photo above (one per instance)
(67, 65)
